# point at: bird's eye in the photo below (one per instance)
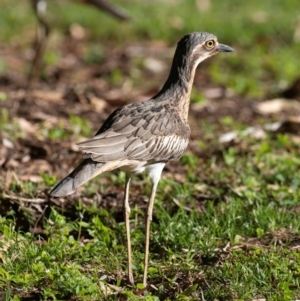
(210, 44)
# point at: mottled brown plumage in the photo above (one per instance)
(144, 136)
(140, 131)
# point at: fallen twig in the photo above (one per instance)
(18, 198)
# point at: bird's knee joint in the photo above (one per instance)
(150, 212)
(127, 209)
(149, 216)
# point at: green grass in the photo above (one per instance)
(226, 228)
(255, 197)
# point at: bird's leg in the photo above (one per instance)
(127, 215)
(148, 222)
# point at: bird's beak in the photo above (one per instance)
(224, 48)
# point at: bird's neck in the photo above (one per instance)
(178, 87)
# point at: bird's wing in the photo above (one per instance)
(139, 132)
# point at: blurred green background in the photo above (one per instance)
(265, 34)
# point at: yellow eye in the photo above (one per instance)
(209, 44)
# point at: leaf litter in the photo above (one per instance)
(49, 106)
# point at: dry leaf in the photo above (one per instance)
(99, 104)
(31, 178)
(254, 132)
(7, 143)
(277, 105)
(48, 95)
(77, 31)
(154, 65)
(203, 5)
(27, 126)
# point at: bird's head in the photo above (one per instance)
(198, 46)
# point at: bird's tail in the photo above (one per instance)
(85, 171)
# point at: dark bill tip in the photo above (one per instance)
(224, 48)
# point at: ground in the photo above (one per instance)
(226, 223)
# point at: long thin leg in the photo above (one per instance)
(155, 174)
(127, 215)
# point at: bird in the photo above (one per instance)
(143, 136)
